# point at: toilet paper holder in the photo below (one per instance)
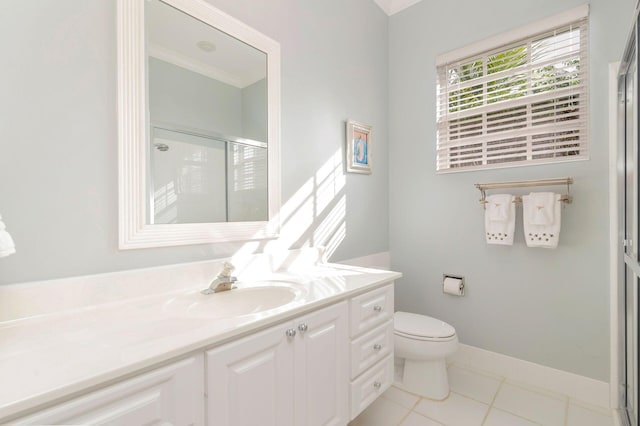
(459, 286)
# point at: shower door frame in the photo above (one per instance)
(626, 235)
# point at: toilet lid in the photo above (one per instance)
(421, 326)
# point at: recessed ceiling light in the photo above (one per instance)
(206, 46)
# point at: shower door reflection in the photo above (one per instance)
(199, 178)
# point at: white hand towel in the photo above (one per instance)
(543, 207)
(541, 216)
(500, 219)
(7, 246)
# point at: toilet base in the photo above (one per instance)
(426, 378)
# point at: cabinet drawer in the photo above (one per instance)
(371, 347)
(368, 387)
(169, 395)
(371, 309)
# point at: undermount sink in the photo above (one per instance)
(246, 299)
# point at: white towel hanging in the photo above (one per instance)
(7, 246)
(500, 219)
(541, 217)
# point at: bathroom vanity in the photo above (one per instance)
(318, 356)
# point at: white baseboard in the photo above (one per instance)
(582, 388)
(380, 260)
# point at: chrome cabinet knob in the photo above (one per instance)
(377, 308)
(291, 332)
(377, 347)
(377, 385)
(303, 327)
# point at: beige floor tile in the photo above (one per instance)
(472, 384)
(401, 397)
(457, 410)
(580, 416)
(472, 393)
(498, 417)
(381, 412)
(602, 410)
(415, 419)
(537, 407)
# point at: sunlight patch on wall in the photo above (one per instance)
(332, 230)
(315, 215)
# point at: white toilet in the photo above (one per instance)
(424, 343)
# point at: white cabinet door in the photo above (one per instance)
(275, 379)
(171, 395)
(321, 367)
(250, 381)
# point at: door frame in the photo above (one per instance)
(616, 299)
(617, 232)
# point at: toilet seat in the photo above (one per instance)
(422, 327)
(425, 339)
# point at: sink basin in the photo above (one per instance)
(247, 299)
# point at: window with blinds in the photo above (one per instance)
(523, 103)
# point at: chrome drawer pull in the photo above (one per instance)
(377, 347)
(377, 385)
(377, 308)
(291, 333)
(303, 327)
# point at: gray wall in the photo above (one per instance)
(58, 138)
(191, 100)
(187, 99)
(545, 306)
(254, 111)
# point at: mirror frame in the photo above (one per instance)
(134, 231)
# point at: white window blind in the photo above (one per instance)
(519, 104)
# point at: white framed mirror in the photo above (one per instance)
(198, 123)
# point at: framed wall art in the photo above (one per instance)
(358, 147)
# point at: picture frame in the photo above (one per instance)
(358, 149)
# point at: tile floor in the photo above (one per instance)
(482, 399)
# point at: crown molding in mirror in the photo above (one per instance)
(392, 7)
(134, 231)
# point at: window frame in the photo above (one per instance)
(565, 106)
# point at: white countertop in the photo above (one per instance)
(51, 356)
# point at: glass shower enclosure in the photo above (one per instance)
(628, 229)
(198, 177)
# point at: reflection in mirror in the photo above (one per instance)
(207, 116)
(196, 178)
(198, 126)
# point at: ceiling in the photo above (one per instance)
(174, 36)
